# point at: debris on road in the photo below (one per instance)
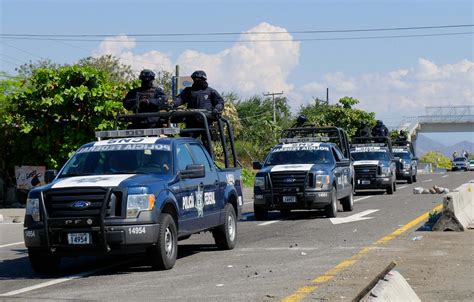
(434, 190)
(417, 238)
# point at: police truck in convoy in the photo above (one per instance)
(374, 164)
(407, 164)
(137, 191)
(303, 173)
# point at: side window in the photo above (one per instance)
(200, 156)
(337, 154)
(183, 157)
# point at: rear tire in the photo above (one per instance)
(331, 209)
(163, 255)
(260, 213)
(44, 263)
(225, 235)
(348, 202)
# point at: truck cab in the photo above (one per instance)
(133, 191)
(407, 164)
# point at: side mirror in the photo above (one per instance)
(343, 162)
(193, 171)
(415, 158)
(50, 175)
(256, 165)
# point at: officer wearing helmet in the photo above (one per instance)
(363, 130)
(146, 98)
(380, 129)
(201, 96)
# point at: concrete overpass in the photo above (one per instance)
(439, 119)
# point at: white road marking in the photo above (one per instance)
(12, 244)
(268, 222)
(11, 223)
(362, 198)
(444, 176)
(61, 280)
(428, 180)
(355, 217)
(402, 187)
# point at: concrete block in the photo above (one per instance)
(393, 287)
(458, 209)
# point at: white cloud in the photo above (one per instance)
(404, 91)
(247, 67)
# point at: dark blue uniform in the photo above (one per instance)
(201, 98)
(143, 100)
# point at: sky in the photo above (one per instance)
(393, 77)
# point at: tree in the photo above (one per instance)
(117, 71)
(341, 114)
(57, 110)
(437, 159)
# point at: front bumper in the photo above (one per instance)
(118, 239)
(303, 201)
(403, 174)
(373, 183)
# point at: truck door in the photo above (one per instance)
(342, 174)
(186, 194)
(212, 194)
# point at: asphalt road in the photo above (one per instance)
(272, 260)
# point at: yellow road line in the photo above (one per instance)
(302, 292)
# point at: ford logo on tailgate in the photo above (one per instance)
(81, 204)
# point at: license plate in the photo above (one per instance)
(79, 238)
(366, 182)
(289, 199)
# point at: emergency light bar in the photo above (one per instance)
(136, 132)
(304, 139)
(370, 145)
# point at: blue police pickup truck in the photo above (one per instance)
(132, 194)
(300, 173)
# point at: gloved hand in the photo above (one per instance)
(216, 114)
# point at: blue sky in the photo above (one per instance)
(393, 77)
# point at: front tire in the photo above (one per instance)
(44, 263)
(260, 213)
(331, 209)
(348, 202)
(390, 189)
(410, 180)
(225, 235)
(163, 255)
(414, 178)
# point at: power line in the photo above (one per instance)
(273, 98)
(251, 41)
(247, 33)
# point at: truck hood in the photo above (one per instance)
(366, 162)
(297, 167)
(114, 180)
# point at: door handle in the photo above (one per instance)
(216, 183)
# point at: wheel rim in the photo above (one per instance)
(231, 227)
(169, 242)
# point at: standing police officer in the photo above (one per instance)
(201, 96)
(146, 98)
(380, 129)
(363, 130)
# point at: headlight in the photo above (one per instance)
(322, 182)
(32, 208)
(260, 182)
(139, 202)
(386, 171)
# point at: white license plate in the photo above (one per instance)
(289, 199)
(79, 238)
(366, 182)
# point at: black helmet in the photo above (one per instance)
(147, 73)
(379, 122)
(199, 74)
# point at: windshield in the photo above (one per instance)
(279, 157)
(371, 155)
(403, 155)
(118, 162)
(462, 159)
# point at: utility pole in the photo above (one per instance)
(273, 98)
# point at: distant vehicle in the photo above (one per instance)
(374, 164)
(407, 164)
(137, 190)
(460, 163)
(305, 173)
(471, 164)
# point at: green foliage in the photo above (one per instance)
(116, 71)
(58, 109)
(248, 177)
(437, 159)
(341, 114)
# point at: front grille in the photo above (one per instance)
(365, 171)
(59, 202)
(288, 181)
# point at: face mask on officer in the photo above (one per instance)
(200, 83)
